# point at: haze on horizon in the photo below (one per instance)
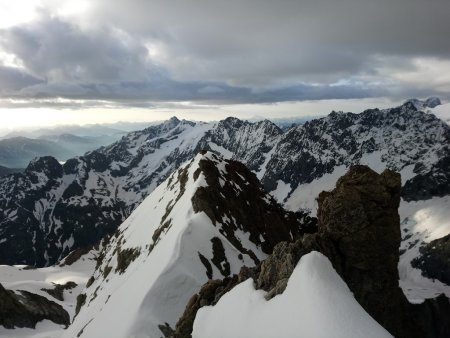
(79, 62)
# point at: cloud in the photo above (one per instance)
(60, 51)
(140, 52)
(14, 79)
(255, 42)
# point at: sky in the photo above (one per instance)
(83, 61)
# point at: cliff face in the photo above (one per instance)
(26, 309)
(359, 232)
(360, 220)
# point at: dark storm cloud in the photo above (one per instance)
(14, 79)
(141, 94)
(259, 40)
(136, 52)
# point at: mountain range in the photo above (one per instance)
(163, 211)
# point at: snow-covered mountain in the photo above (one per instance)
(76, 204)
(211, 217)
(207, 220)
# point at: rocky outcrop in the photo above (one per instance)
(360, 219)
(434, 260)
(235, 196)
(359, 231)
(25, 309)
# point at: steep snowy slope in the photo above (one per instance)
(441, 111)
(421, 223)
(316, 303)
(207, 220)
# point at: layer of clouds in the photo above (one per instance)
(137, 52)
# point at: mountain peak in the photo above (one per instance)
(171, 123)
(173, 119)
(47, 165)
(430, 102)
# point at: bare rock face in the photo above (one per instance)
(360, 219)
(359, 231)
(27, 309)
(208, 294)
(235, 196)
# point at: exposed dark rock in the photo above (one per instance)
(432, 183)
(58, 291)
(74, 189)
(125, 257)
(81, 300)
(278, 267)
(236, 197)
(75, 255)
(432, 102)
(209, 294)
(435, 260)
(219, 258)
(207, 264)
(25, 309)
(166, 330)
(360, 222)
(90, 281)
(46, 165)
(360, 218)
(106, 271)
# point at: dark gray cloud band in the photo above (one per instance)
(137, 52)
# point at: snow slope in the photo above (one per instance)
(421, 222)
(35, 280)
(316, 303)
(442, 111)
(168, 239)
